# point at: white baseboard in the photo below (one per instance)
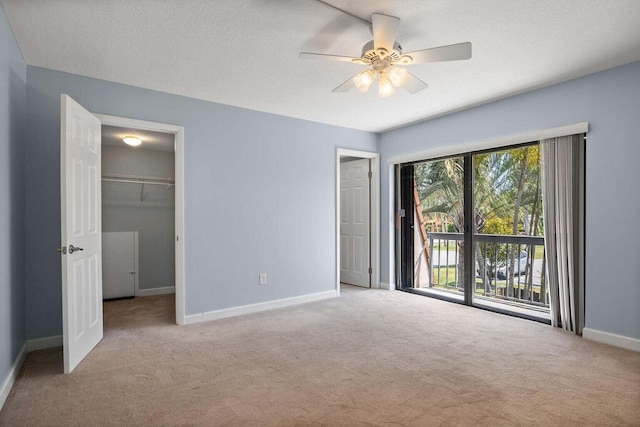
(261, 306)
(7, 384)
(29, 346)
(387, 286)
(42, 343)
(156, 291)
(611, 339)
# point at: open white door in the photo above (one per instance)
(80, 193)
(355, 223)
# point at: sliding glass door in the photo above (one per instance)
(508, 231)
(431, 224)
(469, 229)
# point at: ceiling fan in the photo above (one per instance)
(385, 61)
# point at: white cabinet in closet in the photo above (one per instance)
(119, 264)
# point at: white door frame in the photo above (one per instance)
(178, 131)
(375, 212)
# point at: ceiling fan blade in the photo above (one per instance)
(309, 55)
(347, 85)
(384, 28)
(412, 84)
(452, 52)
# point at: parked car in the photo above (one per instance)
(519, 266)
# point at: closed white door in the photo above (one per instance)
(119, 271)
(355, 224)
(81, 232)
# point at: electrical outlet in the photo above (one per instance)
(263, 278)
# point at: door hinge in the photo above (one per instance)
(370, 174)
(370, 270)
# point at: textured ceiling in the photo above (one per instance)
(160, 141)
(245, 52)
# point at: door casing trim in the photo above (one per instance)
(374, 240)
(178, 131)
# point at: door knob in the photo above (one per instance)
(73, 249)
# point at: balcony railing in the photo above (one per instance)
(508, 269)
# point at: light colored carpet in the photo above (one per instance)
(368, 358)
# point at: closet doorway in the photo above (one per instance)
(138, 212)
(142, 229)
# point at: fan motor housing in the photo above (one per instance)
(371, 54)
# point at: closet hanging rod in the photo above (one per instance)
(166, 184)
(138, 179)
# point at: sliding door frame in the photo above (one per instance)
(466, 151)
(405, 203)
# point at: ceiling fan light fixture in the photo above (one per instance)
(133, 141)
(386, 62)
(397, 75)
(385, 87)
(364, 80)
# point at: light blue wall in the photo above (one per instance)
(12, 122)
(610, 102)
(260, 195)
(260, 188)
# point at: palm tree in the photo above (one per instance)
(504, 181)
(440, 188)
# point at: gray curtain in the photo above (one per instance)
(562, 171)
